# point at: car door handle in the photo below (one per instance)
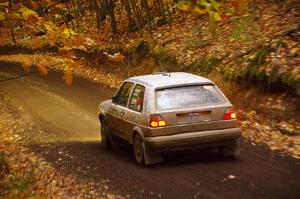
(122, 114)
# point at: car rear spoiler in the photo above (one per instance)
(184, 85)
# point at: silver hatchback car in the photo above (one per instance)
(163, 112)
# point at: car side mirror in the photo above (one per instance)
(114, 99)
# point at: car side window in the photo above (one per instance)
(137, 98)
(123, 94)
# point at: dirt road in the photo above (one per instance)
(66, 133)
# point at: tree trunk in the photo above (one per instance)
(161, 10)
(129, 16)
(97, 5)
(146, 7)
(137, 15)
(112, 16)
(92, 4)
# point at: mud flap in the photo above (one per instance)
(150, 157)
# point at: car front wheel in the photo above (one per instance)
(105, 142)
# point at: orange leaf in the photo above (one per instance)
(60, 6)
(78, 63)
(17, 6)
(26, 66)
(41, 21)
(49, 1)
(79, 40)
(32, 19)
(240, 6)
(68, 76)
(60, 29)
(34, 5)
(66, 52)
(36, 43)
(43, 70)
(224, 18)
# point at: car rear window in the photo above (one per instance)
(188, 96)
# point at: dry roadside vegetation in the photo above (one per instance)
(233, 42)
(256, 41)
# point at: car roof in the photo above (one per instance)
(158, 80)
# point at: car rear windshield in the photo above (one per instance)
(187, 97)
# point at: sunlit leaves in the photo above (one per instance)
(200, 11)
(25, 12)
(2, 16)
(68, 76)
(215, 16)
(183, 5)
(79, 40)
(66, 52)
(67, 33)
(42, 70)
(4, 4)
(32, 19)
(15, 16)
(240, 6)
(210, 7)
(215, 5)
(116, 57)
(50, 27)
(60, 6)
(26, 66)
(36, 43)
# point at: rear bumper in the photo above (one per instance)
(212, 138)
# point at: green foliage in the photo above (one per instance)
(192, 42)
(2, 16)
(14, 181)
(164, 57)
(205, 66)
(236, 34)
(26, 12)
(242, 26)
(197, 30)
(253, 70)
(18, 182)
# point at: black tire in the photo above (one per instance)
(105, 139)
(139, 149)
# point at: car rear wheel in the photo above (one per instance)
(105, 141)
(139, 149)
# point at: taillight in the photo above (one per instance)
(157, 121)
(229, 114)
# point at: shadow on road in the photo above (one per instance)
(194, 172)
(92, 153)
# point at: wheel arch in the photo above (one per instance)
(102, 116)
(136, 130)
